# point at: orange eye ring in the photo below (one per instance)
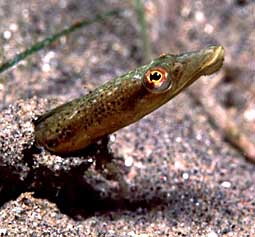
(157, 80)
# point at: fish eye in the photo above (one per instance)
(155, 76)
(157, 80)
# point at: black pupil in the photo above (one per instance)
(155, 76)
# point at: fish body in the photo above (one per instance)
(73, 126)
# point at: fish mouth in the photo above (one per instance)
(204, 62)
(200, 63)
(214, 57)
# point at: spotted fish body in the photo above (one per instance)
(73, 126)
